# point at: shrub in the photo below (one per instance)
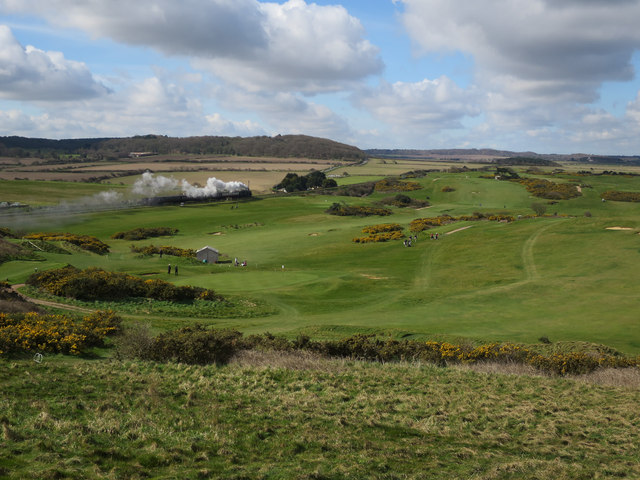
(379, 237)
(447, 189)
(420, 224)
(359, 211)
(136, 341)
(391, 185)
(587, 213)
(195, 345)
(539, 187)
(165, 250)
(6, 232)
(401, 201)
(85, 242)
(384, 227)
(35, 332)
(144, 232)
(618, 196)
(381, 233)
(98, 284)
(538, 208)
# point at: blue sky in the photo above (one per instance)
(521, 75)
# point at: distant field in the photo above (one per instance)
(566, 277)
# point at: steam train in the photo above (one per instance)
(184, 199)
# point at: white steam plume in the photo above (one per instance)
(214, 187)
(151, 185)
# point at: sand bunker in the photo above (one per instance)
(619, 228)
(314, 234)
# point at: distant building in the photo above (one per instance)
(207, 254)
(140, 154)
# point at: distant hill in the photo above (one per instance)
(112, 148)
(488, 155)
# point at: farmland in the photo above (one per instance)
(568, 276)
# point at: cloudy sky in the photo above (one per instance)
(542, 75)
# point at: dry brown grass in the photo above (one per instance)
(502, 368)
(613, 377)
(299, 360)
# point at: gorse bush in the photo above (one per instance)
(383, 227)
(144, 232)
(542, 188)
(85, 242)
(149, 250)
(618, 196)
(369, 347)
(35, 332)
(420, 224)
(379, 237)
(391, 185)
(381, 233)
(359, 211)
(199, 345)
(401, 201)
(98, 284)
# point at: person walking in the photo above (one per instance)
(175, 269)
(169, 269)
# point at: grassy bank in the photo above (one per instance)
(260, 418)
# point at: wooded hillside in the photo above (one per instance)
(279, 146)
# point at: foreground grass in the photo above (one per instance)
(325, 419)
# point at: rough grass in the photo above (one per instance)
(309, 418)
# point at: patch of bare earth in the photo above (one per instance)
(458, 229)
(373, 277)
(47, 303)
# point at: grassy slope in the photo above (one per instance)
(566, 278)
(335, 420)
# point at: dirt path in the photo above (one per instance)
(458, 229)
(47, 303)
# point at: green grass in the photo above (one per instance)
(567, 278)
(332, 420)
(38, 193)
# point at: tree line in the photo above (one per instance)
(281, 146)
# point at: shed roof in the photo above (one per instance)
(208, 248)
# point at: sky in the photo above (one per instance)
(550, 76)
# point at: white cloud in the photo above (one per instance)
(287, 112)
(207, 28)
(435, 104)
(153, 105)
(540, 49)
(310, 48)
(295, 45)
(218, 125)
(28, 73)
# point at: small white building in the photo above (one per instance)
(207, 254)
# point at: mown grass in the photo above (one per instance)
(564, 277)
(322, 419)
